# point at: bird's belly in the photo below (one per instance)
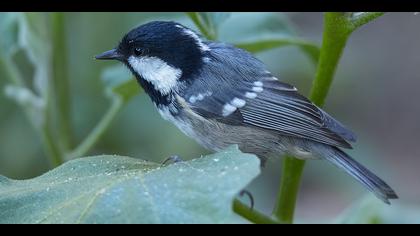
(217, 136)
(197, 130)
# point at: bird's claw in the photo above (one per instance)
(173, 158)
(251, 198)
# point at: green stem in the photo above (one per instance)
(337, 29)
(11, 71)
(13, 74)
(195, 17)
(60, 80)
(363, 18)
(289, 188)
(251, 214)
(99, 130)
(336, 33)
(50, 146)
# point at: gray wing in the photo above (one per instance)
(244, 93)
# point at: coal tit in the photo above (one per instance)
(221, 95)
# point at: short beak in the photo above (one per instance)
(112, 54)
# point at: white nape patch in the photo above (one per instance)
(199, 97)
(228, 109)
(163, 76)
(193, 35)
(250, 95)
(237, 102)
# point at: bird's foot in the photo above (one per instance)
(173, 159)
(251, 198)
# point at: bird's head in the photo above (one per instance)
(160, 53)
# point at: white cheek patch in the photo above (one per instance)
(163, 76)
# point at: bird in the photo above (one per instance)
(220, 95)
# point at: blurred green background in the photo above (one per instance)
(375, 93)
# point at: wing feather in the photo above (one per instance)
(277, 106)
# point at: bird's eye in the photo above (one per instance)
(138, 51)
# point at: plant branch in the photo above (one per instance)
(50, 146)
(60, 80)
(289, 187)
(359, 19)
(337, 29)
(11, 71)
(93, 137)
(251, 214)
(336, 33)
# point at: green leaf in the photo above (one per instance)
(311, 50)
(213, 20)
(35, 39)
(34, 104)
(372, 211)
(208, 22)
(246, 26)
(258, 32)
(9, 33)
(120, 82)
(116, 189)
(255, 32)
(34, 35)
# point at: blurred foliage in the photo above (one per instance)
(369, 210)
(208, 23)
(119, 83)
(109, 108)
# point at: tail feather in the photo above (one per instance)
(376, 185)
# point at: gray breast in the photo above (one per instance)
(216, 136)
